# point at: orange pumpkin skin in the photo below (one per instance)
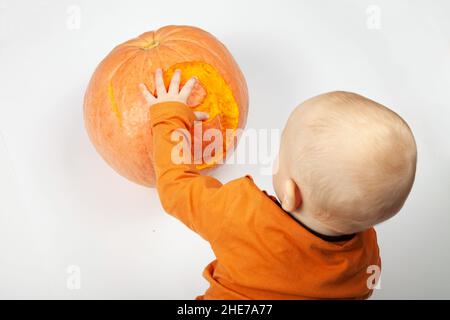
(116, 115)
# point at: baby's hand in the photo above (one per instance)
(174, 94)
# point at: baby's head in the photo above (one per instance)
(346, 163)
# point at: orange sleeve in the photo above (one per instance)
(198, 201)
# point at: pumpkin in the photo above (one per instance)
(117, 116)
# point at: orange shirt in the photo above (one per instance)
(261, 251)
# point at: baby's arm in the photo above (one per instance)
(198, 201)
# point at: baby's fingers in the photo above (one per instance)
(147, 95)
(201, 115)
(175, 83)
(187, 89)
(160, 87)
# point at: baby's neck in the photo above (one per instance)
(314, 225)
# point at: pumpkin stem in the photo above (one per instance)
(151, 45)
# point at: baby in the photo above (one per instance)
(346, 163)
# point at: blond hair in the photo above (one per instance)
(353, 159)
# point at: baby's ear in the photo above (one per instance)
(292, 197)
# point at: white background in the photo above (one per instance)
(61, 205)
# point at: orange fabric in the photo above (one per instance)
(261, 251)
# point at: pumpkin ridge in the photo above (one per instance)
(114, 104)
(174, 50)
(112, 100)
(176, 29)
(197, 44)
